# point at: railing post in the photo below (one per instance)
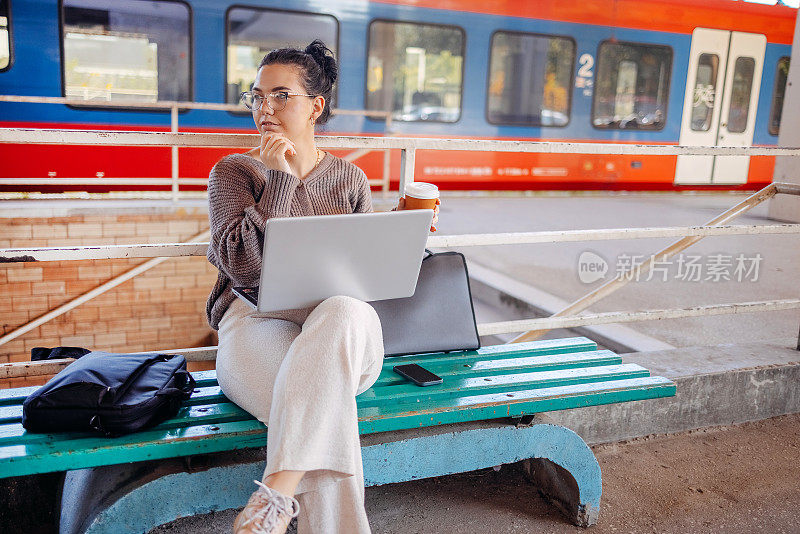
(387, 155)
(174, 129)
(407, 155)
(387, 158)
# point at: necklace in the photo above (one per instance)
(319, 157)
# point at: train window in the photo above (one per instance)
(741, 88)
(632, 86)
(128, 50)
(415, 70)
(253, 32)
(705, 90)
(530, 78)
(5, 40)
(777, 95)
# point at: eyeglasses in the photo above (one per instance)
(276, 101)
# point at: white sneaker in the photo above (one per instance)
(267, 512)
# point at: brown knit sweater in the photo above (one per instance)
(243, 193)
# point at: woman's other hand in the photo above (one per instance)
(401, 204)
(435, 216)
(273, 151)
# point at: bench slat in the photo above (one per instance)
(201, 395)
(207, 414)
(496, 352)
(19, 460)
(478, 367)
(562, 346)
(497, 405)
(11, 396)
(207, 395)
(406, 393)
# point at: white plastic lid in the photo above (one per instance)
(422, 190)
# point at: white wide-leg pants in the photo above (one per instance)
(302, 382)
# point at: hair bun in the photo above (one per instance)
(324, 57)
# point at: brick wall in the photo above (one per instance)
(161, 308)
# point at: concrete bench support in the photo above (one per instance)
(137, 497)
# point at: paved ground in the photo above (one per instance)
(726, 480)
(736, 479)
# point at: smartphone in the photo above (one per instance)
(419, 375)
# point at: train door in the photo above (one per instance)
(726, 64)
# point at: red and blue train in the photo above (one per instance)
(625, 71)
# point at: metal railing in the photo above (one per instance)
(174, 108)
(408, 146)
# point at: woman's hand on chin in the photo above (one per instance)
(273, 151)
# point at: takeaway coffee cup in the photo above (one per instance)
(421, 196)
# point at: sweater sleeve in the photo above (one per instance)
(363, 202)
(238, 213)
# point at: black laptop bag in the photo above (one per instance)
(114, 394)
(439, 317)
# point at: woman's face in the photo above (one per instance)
(294, 120)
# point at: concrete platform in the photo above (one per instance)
(721, 480)
(717, 385)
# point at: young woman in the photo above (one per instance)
(298, 371)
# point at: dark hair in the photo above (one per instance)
(319, 70)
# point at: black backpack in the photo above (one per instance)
(114, 394)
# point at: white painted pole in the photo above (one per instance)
(407, 156)
(193, 139)
(154, 250)
(549, 323)
(175, 167)
(784, 207)
(387, 156)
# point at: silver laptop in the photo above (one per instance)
(368, 256)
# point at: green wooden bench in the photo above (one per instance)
(478, 417)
